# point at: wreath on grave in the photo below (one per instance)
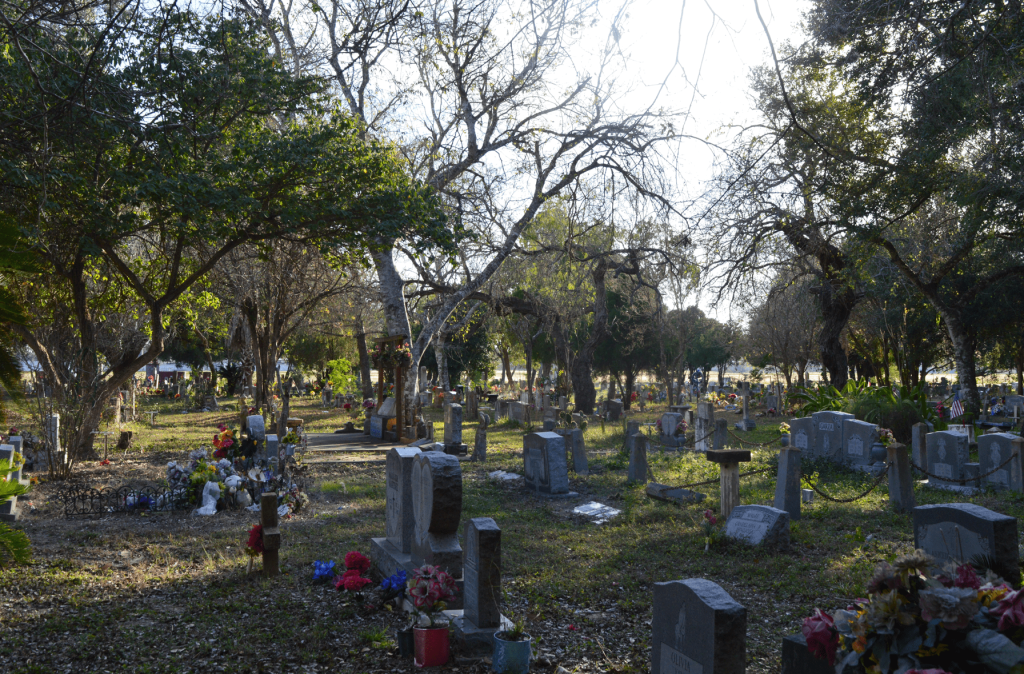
(914, 619)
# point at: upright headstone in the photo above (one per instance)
(901, 480)
(437, 509)
(51, 433)
(801, 434)
(919, 445)
(947, 454)
(759, 525)
(995, 449)
(563, 403)
(858, 437)
(257, 427)
(472, 406)
(638, 460)
(544, 463)
(482, 572)
(453, 430)
(704, 426)
(613, 410)
(271, 447)
(964, 532)
(828, 434)
(746, 424)
(480, 441)
(670, 427)
(517, 411)
(787, 485)
(632, 430)
(9, 509)
(721, 437)
(524, 397)
(575, 449)
(697, 629)
(271, 534)
(500, 409)
(400, 514)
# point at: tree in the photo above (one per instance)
(134, 193)
(782, 330)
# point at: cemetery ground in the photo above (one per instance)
(169, 592)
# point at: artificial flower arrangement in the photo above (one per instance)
(912, 620)
(356, 564)
(783, 428)
(254, 545)
(708, 525)
(223, 442)
(291, 438)
(393, 586)
(885, 437)
(429, 590)
(368, 406)
(323, 570)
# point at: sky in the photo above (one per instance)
(717, 63)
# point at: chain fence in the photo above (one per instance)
(858, 497)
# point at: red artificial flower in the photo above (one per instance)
(572, 628)
(357, 561)
(105, 462)
(1010, 611)
(822, 638)
(256, 538)
(355, 583)
(710, 517)
(966, 577)
(220, 453)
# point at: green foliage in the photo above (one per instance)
(874, 404)
(14, 544)
(339, 373)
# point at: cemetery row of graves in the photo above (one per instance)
(683, 538)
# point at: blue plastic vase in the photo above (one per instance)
(511, 657)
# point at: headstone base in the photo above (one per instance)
(388, 558)
(796, 659)
(472, 639)
(745, 425)
(664, 492)
(9, 511)
(955, 488)
(672, 441)
(456, 449)
(568, 494)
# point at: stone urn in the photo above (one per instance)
(784, 439)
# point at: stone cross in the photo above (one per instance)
(271, 534)
(787, 485)
(638, 471)
(747, 424)
(697, 628)
(437, 508)
(729, 479)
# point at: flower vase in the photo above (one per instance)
(784, 439)
(878, 453)
(406, 643)
(431, 646)
(511, 657)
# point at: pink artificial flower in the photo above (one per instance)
(966, 577)
(357, 561)
(822, 638)
(1010, 611)
(710, 517)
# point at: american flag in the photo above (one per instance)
(956, 409)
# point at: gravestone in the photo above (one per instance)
(472, 405)
(901, 479)
(638, 460)
(257, 427)
(994, 449)
(962, 532)
(828, 434)
(544, 463)
(563, 403)
(697, 628)
(271, 534)
(798, 659)
(665, 492)
(746, 424)
(524, 397)
(500, 409)
(787, 484)
(704, 426)
(481, 567)
(858, 437)
(759, 525)
(550, 425)
(453, 430)
(947, 453)
(801, 434)
(919, 445)
(613, 410)
(517, 412)
(399, 513)
(632, 430)
(387, 409)
(771, 402)
(437, 509)
(575, 449)
(51, 433)
(480, 441)
(270, 448)
(669, 424)
(721, 438)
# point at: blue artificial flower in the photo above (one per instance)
(395, 583)
(323, 570)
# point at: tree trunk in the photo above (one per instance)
(583, 384)
(364, 360)
(836, 307)
(1020, 367)
(506, 366)
(630, 380)
(963, 356)
(442, 362)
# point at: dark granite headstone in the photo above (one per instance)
(482, 569)
(638, 460)
(437, 507)
(787, 485)
(797, 659)
(613, 409)
(544, 463)
(963, 532)
(759, 525)
(697, 629)
(828, 434)
(993, 450)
